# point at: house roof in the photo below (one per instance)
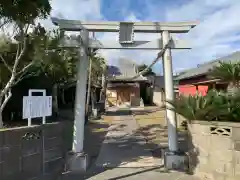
(202, 69)
(125, 70)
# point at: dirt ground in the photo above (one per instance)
(153, 125)
(95, 132)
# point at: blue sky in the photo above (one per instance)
(217, 34)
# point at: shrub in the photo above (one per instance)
(215, 106)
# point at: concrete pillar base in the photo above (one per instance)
(176, 161)
(77, 162)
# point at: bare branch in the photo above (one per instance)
(8, 95)
(5, 63)
(21, 52)
(18, 58)
(24, 68)
(6, 91)
(18, 50)
(26, 30)
(22, 76)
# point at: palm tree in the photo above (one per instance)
(227, 72)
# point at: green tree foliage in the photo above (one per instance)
(24, 11)
(59, 65)
(144, 66)
(98, 68)
(15, 54)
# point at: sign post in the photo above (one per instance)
(37, 106)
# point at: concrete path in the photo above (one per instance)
(124, 155)
(125, 147)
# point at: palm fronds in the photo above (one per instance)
(226, 71)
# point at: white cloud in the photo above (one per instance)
(213, 37)
(74, 10)
(77, 9)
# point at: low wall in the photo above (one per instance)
(158, 98)
(36, 152)
(214, 150)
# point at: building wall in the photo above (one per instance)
(186, 86)
(193, 89)
(159, 97)
(129, 95)
(214, 150)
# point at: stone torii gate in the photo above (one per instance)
(126, 32)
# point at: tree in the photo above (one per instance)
(227, 72)
(144, 66)
(96, 70)
(23, 11)
(15, 56)
(58, 65)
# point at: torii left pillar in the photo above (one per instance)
(78, 160)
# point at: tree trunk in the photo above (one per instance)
(1, 119)
(94, 109)
(55, 99)
(93, 99)
(89, 85)
(63, 97)
(102, 95)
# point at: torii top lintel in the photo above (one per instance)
(113, 26)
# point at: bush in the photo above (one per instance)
(215, 106)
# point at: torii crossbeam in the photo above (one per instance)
(139, 27)
(126, 41)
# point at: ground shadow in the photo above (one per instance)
(147, 110)
(136, 173)
(121, 145)
(120, 112)
(160, 132)
(94, 134)
(193, 154)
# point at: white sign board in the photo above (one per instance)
(37, 106)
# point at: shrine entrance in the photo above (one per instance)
(126, 30)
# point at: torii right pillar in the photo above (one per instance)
(173, 158)
(169, 94)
